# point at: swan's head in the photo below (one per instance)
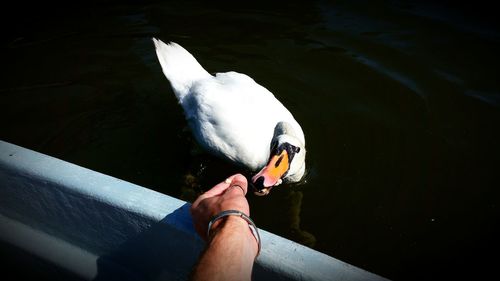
(286, 161)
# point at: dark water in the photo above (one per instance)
(399, 101)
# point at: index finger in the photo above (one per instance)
(218, 189)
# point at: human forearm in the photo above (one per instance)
(230, 253)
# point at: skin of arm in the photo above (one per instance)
(231, 247)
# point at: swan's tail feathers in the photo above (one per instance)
(179, 66)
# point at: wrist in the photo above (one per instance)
(235, 228)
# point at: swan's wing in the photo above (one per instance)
(233, 116)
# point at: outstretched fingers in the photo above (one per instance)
(220, 188)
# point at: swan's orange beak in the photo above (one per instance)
(271, 174)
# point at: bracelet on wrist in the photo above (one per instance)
(251, 224)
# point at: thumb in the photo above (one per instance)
(239, 181)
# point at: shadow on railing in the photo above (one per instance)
(166, 251)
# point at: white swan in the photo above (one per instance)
(235, 118)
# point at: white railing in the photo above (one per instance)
(103, 228)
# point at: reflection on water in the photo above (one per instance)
(398, 101)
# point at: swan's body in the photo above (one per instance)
(230, 114)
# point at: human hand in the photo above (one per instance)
(227, 195)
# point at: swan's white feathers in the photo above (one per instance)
(179, 66)
(230, 114)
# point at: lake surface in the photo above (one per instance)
(399, 102)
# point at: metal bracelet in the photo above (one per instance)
(251, 224)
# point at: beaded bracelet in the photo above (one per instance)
(251, 224)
